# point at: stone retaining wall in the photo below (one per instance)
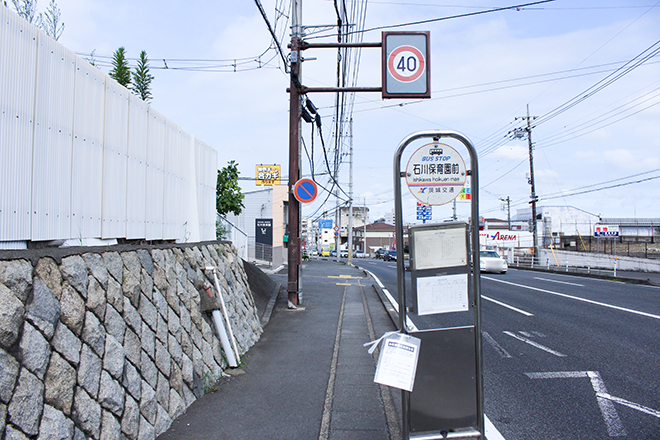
(111, 344)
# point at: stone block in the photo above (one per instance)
(148, 340)
(163, 358)
(130, 420)
(96, 298)
(34, 351)
(14, 434)
(132, 347)
(159, 302)
(172, 298)
(163, 421)
(174, 324)
(12, 313)
(48, 271)
(177, 407)
(115, 295)
(160, 279)
(75, 272)
(26, 405)
(114, 265)
(16, 275)
(186, 344)
(110, 427)
(87, 413)
(89, 371)
(162, 330)
(187, 370)
(132, 380)
(174, 349)
(55, 425)
(146, 261)
(66, 343)
(131, 262)
(132, 317)
(114, 323)
(149, 370)
(72, 309)
(148, 312)
(148, 403)
(176, 378)
(147, 431)
(114, 357)
(60, 383)
(97, 267)
(43, 309)
(9, 368)
(111, 394)
(146, 284)
(163, 391)
(94, 334)
(131, 287)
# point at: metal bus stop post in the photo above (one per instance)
(476, 276)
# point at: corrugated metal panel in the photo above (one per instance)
(171, 194)
(53, 139)
(87, 159)
(206, 172)
(190, 221)
(136, 179)
(155, 175)
(115, 158)
(18, 48)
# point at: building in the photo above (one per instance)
(268, 203)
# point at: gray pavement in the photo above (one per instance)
(308, 377)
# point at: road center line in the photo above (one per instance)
(507, 306)
(560, 282)
(622, 309)
(535, 344)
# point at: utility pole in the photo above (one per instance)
(350, 195)
(293, 254)
(518, 133)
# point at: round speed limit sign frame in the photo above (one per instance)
(406, 65)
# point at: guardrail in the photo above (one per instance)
(528, 261)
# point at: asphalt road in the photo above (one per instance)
(566, 357)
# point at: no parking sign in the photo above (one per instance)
(406, 65)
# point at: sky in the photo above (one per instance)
(485, 70)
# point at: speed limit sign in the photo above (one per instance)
(406, 65)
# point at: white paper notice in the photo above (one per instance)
(397, 363)
(442, 294)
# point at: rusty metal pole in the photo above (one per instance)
(294, 255)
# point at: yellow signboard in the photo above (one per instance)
(269, 174)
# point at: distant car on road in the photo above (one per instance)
(343, 253)
(390, 255)
(490, 261)
(380, 252)
(358, 254)
(333, 253)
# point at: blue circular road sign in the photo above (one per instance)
(305, 190)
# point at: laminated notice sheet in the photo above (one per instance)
(442, 294)
(397, 363)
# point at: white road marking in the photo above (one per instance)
(498, 348)
(507, 306)
(535, 344)
(623, 309)
(614, 425)
(409, 324)
(491, 431)
(630, 404)
(560, 282)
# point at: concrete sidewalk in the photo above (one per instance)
(308, 377)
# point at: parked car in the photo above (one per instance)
(343, 253)
(390, 256)
(490, 261)
(358, 254)
(333, 253)
(380, 252)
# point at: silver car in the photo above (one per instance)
(490, 261)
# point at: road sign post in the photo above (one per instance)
(447, 399)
